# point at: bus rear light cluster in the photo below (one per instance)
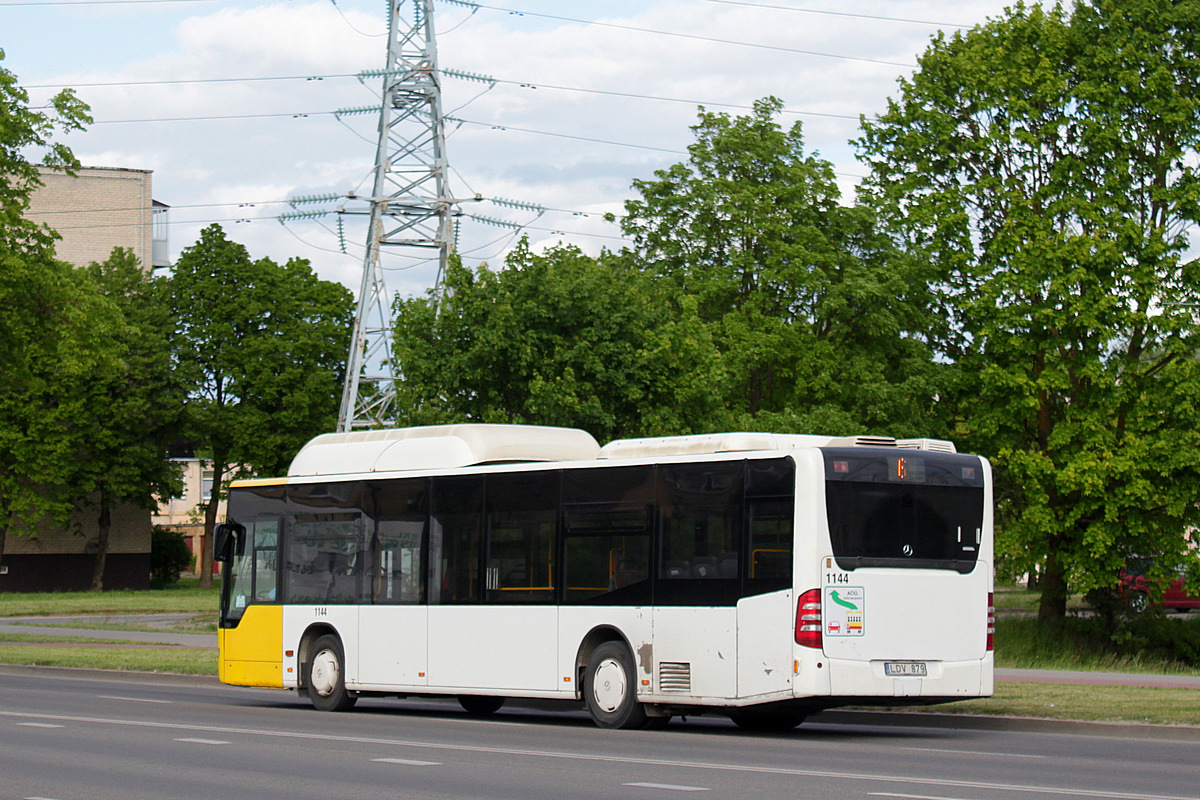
(808, 619)
(991, 622)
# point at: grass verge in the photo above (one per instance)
(1150, 644)
(185, 598)
(1089, 703)
(35, 638)
(180, 660)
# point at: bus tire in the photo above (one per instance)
(767, 721)
(478, 705)
(610, 688)
(325, 676)
(1138, 602)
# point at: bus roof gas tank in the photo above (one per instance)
(439, 447)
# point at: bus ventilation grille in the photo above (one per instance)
(874, 441)
(675, 676)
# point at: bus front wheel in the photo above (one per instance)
(325, 676)
(610, 688)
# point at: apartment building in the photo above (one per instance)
(185, 511)
(100, 208)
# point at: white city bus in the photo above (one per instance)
(759, 576)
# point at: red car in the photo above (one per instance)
(1135, 589)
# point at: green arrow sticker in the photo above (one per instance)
(844, 603)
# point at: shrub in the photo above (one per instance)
(169, 556)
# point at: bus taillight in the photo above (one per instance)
(991, 622)
(808, 619)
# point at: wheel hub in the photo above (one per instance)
(609, 688)
(324, 673)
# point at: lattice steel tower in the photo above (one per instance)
(410, 207)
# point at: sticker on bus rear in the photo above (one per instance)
(845, 610)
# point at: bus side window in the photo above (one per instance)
(455, 539)
(606, 553)
(323, 558)
(701, 521)
(522, 527)
(769, 557)
(394, 571)
(266, 560)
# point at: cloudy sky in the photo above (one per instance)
(231, 102)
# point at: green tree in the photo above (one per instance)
(819, 318)
(131, 415)
(261, 348)
(558, 338)
(53, 326)
(1045, 165)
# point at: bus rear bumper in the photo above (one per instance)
(909, 679)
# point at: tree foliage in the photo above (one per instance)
(818, 317)
(1046, 165)
(130, 415)
(53, 326)
(262, 348)
(558, 338)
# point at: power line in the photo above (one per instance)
(873, 17)
(217, 117)
(509, 82)
(502, 127)
(657, 98)
(187, 81)
(691, 36)
(99, 2)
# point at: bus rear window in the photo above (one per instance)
(902, 509)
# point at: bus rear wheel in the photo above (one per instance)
(478, 705)
(325, 676)
(610, 688)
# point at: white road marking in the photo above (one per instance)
(970, 752)
(38, 725)
(1024, 789)
(408, 762)
(202, 741)
(132, 699)
(669, 786)
(911, 796)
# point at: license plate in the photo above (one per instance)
(911, 669)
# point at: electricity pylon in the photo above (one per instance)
(410, 206)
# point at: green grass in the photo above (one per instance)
(1154, 645)
(184, 661)
(38, 638)
(1016, 598)
(1089, 703)
(185, 598)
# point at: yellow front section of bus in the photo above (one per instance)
(252, 653)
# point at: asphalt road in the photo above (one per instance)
(76, 735)
(60, 626)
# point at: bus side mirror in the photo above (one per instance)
(230, 541)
